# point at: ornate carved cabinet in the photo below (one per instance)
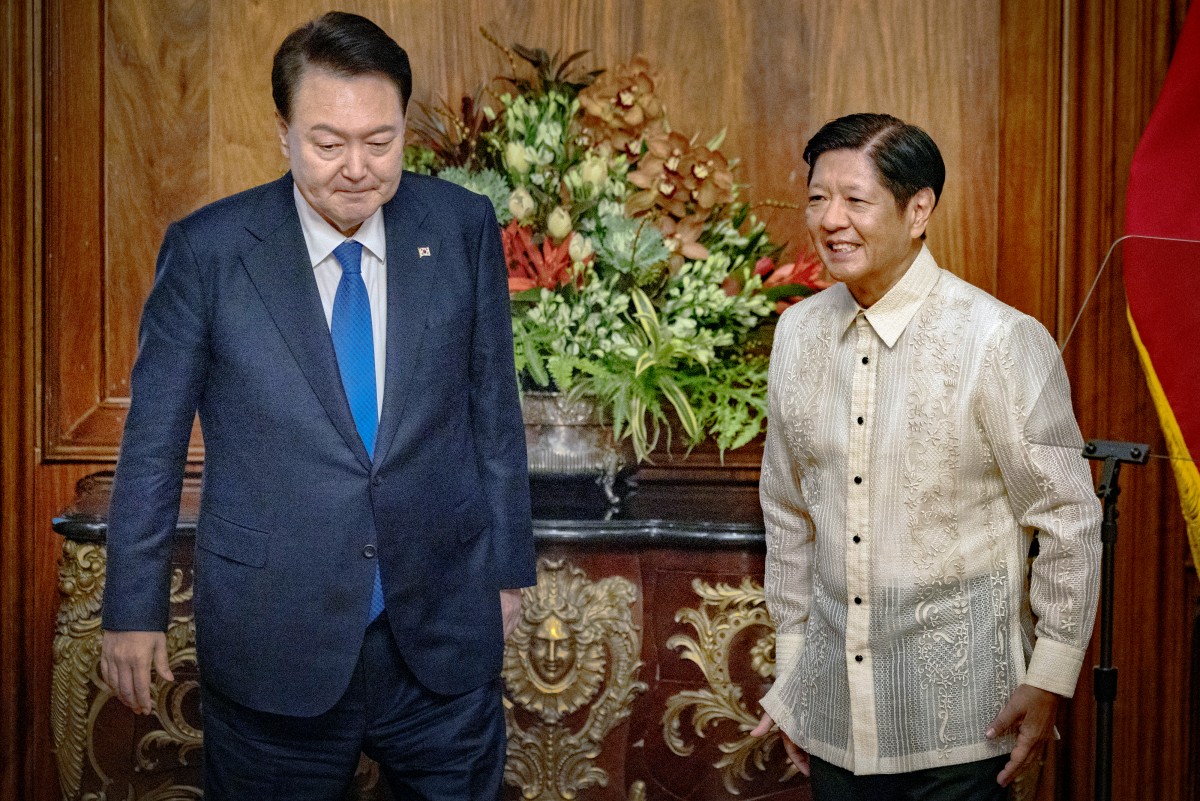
(635, 672)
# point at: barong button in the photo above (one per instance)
(858, 658)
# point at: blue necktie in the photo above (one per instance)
(354, 345)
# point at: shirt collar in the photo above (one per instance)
(321, 238)
(890, 315)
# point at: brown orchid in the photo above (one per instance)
(661, 176)
(708, 178)
(682, 238)
(621, 108)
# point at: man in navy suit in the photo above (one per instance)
(364, 522)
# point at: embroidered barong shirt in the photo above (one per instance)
(912, 450)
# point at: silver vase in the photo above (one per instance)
(572, 438)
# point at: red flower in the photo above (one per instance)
(530, 267)
(806, 271)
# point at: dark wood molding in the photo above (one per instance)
(20, 171)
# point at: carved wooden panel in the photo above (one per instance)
(632, 676)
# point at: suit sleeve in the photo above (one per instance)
(495, 410)
(166, 384)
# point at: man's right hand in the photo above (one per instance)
(796, 754)
(125, 661)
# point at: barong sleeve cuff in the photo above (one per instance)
(1054, 667)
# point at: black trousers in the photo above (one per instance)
(429, 747)
(971, 781)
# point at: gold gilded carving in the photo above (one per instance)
(76, 653)
(164, 792)
(575, 648)
(78, 694)
(725, 612)
(169, 697)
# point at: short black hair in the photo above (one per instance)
(906, 157)
(342, 43)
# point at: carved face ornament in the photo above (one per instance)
(556, 660)
(552, 653)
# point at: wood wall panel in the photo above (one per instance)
(243, 122)
(74, 246)
(933, 64)
(1027, 221)
(19, 170)
(156, 153)
(1037, 106)
(183, 90)
(1113, 66)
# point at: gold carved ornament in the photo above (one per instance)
(576, 648)
(78, 693)
(725, 612)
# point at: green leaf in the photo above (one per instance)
(637, 428)
(562, 371)
(532, 295)
(533, 359)
(749, 432)
(645, 315)
(644, 362)
(687, 415)
(788, 291)
(716, 141)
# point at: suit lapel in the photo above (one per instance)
(280, 269)
(410, 278)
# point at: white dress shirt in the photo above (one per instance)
(900, 489)
(321, 238)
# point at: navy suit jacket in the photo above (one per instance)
(294, 513)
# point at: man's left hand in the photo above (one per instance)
(1031, 712)
(510, 610)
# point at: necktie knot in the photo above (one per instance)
(349, 255)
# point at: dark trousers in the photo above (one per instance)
(972, 781)
(430, 747)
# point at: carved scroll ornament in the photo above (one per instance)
(78, 693)
(724, 613)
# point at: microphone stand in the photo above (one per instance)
(1113, 455)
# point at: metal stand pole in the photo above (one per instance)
(1113, 455)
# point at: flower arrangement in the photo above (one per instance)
(637, 276)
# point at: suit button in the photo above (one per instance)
(377, 481)
(369, 551)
